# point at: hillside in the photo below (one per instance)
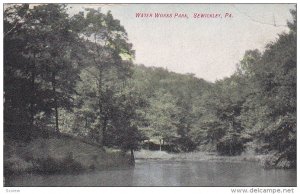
(60, 154)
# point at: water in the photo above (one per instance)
(169, 173)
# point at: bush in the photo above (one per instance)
(184, 144)
(230, 145)
(280, 160)
(51, 165)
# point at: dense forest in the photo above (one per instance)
(74, 74)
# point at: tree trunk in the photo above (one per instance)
(86, 122)
(159, 144)
(55, 102)
(103, 119)
(104, 131)
(33, 73)
(132, 160)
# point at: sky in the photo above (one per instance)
(210, 48)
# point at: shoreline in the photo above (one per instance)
(197, 156)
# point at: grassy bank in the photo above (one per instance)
(62, 154)
(198, 156)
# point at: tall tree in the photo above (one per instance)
(108, 49)
(47, 56)
(274, 78)
(162, 116)
(58, 58)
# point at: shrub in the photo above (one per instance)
(50, 165)
(230, 145)
(184, 144)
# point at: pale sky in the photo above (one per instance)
(210, 48)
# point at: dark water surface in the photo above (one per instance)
(169, 173)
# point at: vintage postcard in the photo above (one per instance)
(150, 95)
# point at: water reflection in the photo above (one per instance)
(169, 173)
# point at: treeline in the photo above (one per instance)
(74, 74)
(173, 106)
(256, 107)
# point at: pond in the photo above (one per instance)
(169, 173)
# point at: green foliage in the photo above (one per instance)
(41, 83)
(52, 166)
(172, 107)
(230, 144)
(162, 115)
(257, 104)
(67, 72)
(269, 112)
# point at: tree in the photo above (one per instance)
(58, 58)
(221, 121)
(269, 113)
(125, 120)
(16, 78)
(106, 46)
(46, 47)
(162, 117)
